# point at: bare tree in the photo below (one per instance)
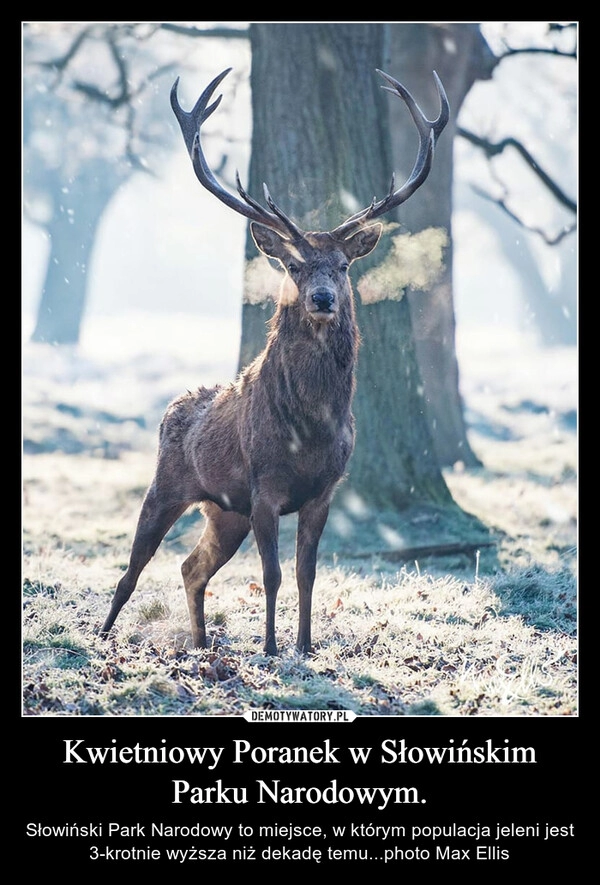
(522, 159)
(89, 117)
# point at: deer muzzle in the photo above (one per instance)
(324, 300)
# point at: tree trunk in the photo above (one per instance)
(321, 142)
(460, 56)
(72, 232)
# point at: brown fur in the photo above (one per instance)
(275, 441)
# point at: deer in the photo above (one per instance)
(277, 439)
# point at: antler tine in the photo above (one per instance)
(275, 208)
(291, 227)
(429, 131)
(190, 123)
(422, 123)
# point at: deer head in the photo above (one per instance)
(316, 267)
(316, 264)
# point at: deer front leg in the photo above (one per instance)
(311, 522)
(155, 520)
(265, 523)
(222, 536)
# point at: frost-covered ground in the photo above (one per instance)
(424, 638)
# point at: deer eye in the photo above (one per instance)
(292, 268)
(344, 267)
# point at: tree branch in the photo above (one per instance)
(501, 202)
(491, 149)
(59, 64)
(553, 27)
(538, 50)
(193, 31)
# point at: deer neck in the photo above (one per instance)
(312, 365)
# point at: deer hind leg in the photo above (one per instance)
(155, 520)
(222, 536)
(265, 523)
(311, 522)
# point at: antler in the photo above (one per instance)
(429, 131)
(190, 124)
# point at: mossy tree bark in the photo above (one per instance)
(321, 142)
(460, 55)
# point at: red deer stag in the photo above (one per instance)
(277, 440)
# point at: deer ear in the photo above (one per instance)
(268, 241)
(363, 242)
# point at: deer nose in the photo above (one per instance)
(323, 299)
